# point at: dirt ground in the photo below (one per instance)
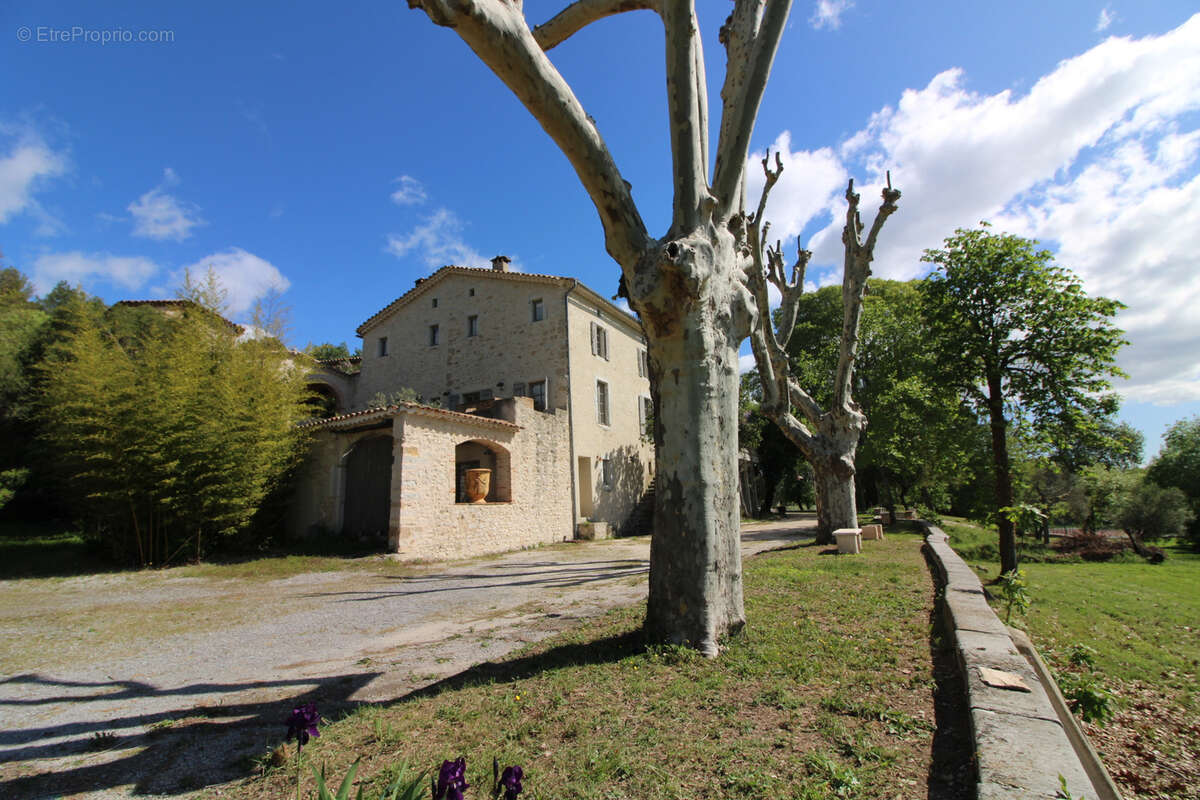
(148, 684)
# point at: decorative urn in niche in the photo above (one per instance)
(479, 481)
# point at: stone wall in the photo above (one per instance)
(427, 523)
(509, 346)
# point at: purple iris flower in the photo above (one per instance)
(451, 780)
(511, 781)
(303, 723)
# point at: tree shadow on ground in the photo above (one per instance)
(180, 749)
(223, 739)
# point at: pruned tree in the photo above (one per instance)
(687, 286)
(827, 437)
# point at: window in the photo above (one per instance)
(473, 325)
(383, 345)
(470, 292)
(606, 473)
(539, 309)
(435, 302)
(518, 390)
(645, 413)
(537, 390)
(602, 416)
(599, 341)
(433, 335)
(643, 364)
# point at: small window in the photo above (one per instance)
(606, 473)
(602, 416)
(433, 335)
(518, 390)
(599, 341)
(537, 390)
(435, 302)
(539, 310)
(643, 364)
(645, 412)
(382, 345)
(470, 292)
(473, 325)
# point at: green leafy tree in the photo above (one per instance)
(327, 351)
(1178, 465)
(169, 429)
(1018, 336)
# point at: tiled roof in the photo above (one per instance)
(531, 277)
(384, 412)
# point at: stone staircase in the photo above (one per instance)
(641, 521)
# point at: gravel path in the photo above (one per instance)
(145, 684)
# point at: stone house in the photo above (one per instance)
(535, 377)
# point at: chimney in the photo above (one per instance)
(500, 263)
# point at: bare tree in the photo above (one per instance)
(828, 438)
(688, 286)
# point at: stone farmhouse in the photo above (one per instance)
(536, 378)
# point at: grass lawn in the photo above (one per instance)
(1141, 622)
(830, 692)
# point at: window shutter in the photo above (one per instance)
(518, 390)
(593, 329)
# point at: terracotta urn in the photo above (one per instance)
(478, 482)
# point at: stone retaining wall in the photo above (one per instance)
(1021, 746)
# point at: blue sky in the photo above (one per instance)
(339, 153)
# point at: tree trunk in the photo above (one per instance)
(1003, 472)
(833, 473)
(695, 554)
(764, 508)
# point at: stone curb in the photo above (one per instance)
(1021, 746)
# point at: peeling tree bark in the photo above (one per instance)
(688, 287)
(828, 438)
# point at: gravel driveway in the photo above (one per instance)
(145, 684)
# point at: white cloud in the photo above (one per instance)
(1098, 160)
(409, 193)
(746, 363)
(158, 215)
(437, 241)
(129, 272)
(1107, 15)
(244, 276)
(25, 169)
(806, 190)
(828, 13)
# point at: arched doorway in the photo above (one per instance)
(369, 490)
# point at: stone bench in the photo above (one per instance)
(849, 540)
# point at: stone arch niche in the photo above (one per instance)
(324, 400)
(483, 454)
(368, 498)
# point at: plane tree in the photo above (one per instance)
(827, 434)
(687, 285)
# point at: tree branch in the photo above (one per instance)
(497, 32)
(856, 268)
(751, 39)
(582, 13)
(686, 109)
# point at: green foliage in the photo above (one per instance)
(169, 431)
(327, 351)
(10, 481)
(1178, 465)
(1015, 592)
(1150, 511)
(1022, 342)
(402, 395)
(1087, 696)
(1063, 792)
(343, 792)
